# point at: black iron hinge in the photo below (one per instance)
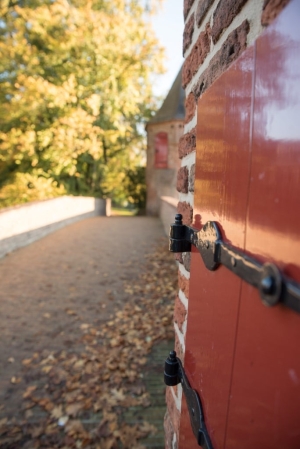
(273, 286)
(175, 374)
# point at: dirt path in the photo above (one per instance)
(59, 295)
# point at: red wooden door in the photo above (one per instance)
(242, 357)
(161, 150)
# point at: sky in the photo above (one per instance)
(168, 26)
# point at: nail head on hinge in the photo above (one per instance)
(270, 285)
(267, 285)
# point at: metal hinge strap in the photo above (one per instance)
(273, 286)
(175, 374)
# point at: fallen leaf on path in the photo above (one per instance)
(26, 362)
(15, 380)
(57, 412)
(73, 409)
(79, 395)
(71, 312)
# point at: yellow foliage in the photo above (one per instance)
(76, 79)
(28, 187)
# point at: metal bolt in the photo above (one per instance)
(172, 355)
(267, 285)
(178, 219)
(233, 261)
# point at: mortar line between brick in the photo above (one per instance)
(249, 13)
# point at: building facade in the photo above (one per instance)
(163, 134)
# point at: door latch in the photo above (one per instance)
(175, 374)
(272, 285)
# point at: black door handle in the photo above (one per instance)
(175, 374)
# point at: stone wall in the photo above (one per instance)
(24, 224)
(216, 33)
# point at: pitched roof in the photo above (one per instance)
(173, 106)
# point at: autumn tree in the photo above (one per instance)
(75, 88)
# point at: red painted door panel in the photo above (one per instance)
(221, 186)
(265, 396)
(242, 357)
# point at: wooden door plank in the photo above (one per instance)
(221, 191)
(265, 396)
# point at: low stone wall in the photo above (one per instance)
(167, 212)
(24, 224)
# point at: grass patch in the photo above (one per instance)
(123, 211)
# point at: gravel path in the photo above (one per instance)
(73, 276)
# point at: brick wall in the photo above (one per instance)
(216, 33)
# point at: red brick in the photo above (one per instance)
(187, 143)
(178, 257)
(187, 261)
(169, 431)
(198, 54)
(179, 348)
(188, 32)
(190, 107)
(172, 409)
(183, 284)
(229, 52)
(171, 422)
(224, 14)
(202, 9)
(187, 7)
(271, 9)
(192, 178)
(183, 180)
(180, 313)
(186, 211)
